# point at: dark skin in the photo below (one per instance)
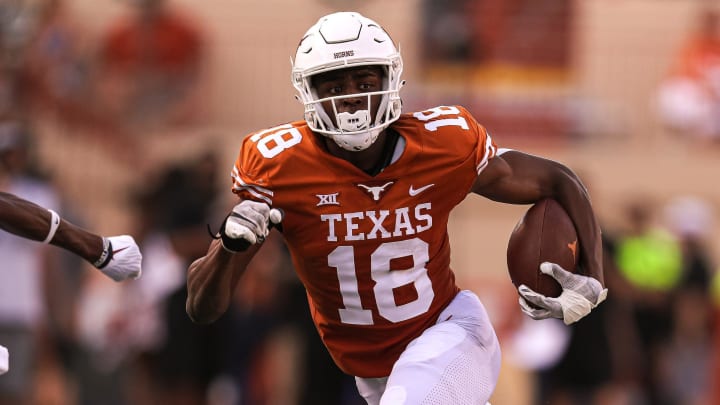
(513, 178)
(28, 220)
(352, 81)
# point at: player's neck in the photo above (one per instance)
(371, 160)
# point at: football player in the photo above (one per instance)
(362, 193)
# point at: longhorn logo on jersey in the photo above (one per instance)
(376, 189)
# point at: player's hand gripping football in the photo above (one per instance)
(580, 294)
(121, 258)
(248, 223)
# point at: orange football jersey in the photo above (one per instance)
(372, 252)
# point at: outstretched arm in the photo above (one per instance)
(30, 221)
(117, 256)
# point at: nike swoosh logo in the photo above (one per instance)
(415, 191)
(116, 251)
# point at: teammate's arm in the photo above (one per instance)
(28, 220)
(118, 257)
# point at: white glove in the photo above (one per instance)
(123, 259)
(249, 221)
(4, 360)
(580, 294)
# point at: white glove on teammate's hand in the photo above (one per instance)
(125, 260)
(250, 221)
(580, 294)
(4, 360)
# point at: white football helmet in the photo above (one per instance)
(342, 40)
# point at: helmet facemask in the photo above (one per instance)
(340, 41)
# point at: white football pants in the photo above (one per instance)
(456, 361)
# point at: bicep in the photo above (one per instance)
(519, 178)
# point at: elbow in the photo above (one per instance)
(201, 314)
(195, 315)
(209, 292)
(199, 305)
(199, 320)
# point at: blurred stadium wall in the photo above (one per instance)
(618, 51)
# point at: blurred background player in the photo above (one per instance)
(117, 256)
(22, 274)
(150, 63)
(366, 196)
(689, 97)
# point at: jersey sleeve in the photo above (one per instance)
(485, 148)
(250, 180)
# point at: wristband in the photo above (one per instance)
(106, 254)
(54, 225)
(229, 244)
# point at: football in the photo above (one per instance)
(544, 234)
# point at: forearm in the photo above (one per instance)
(23, 218)
(83, 243)
(211, 281)
(573, 196)
(29, 220)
